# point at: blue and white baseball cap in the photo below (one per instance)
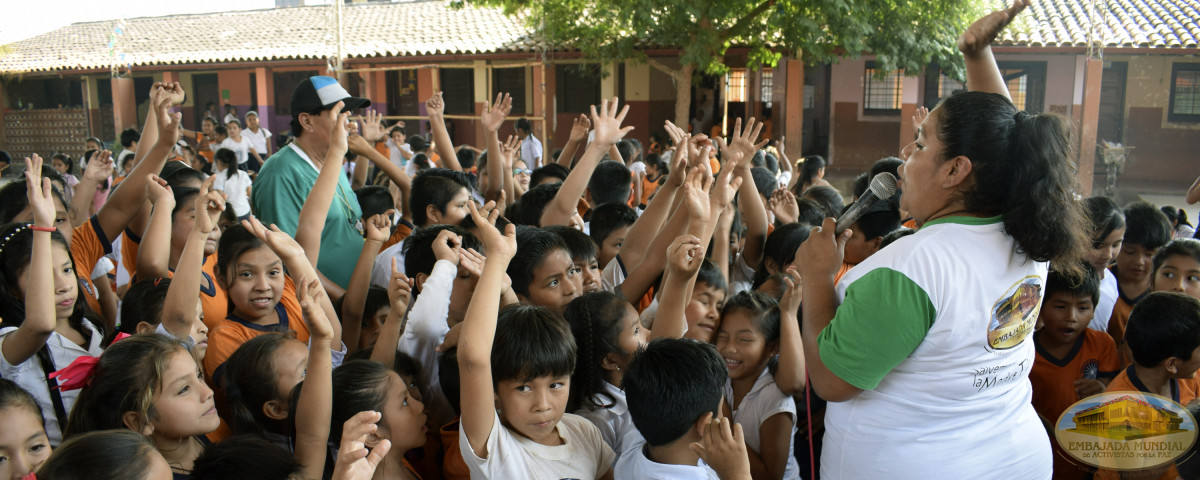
(320, 93)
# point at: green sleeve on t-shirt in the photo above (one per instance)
(277, 197)
(883, 319)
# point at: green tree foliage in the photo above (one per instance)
(903, 34)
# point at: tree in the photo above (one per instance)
(903, 34)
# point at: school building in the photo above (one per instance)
(1126, 418)
(1131, 77)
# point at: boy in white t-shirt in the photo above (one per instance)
(515, 380)
(675, 389)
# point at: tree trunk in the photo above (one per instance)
(682, 77)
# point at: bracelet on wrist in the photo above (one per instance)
(38, 228)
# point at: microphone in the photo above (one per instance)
(883, 186)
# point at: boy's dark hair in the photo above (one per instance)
(579, 244)
(759, 159)
(531, 342)
(1185, 247)
(221, 130)
(1105, 216)
(828, 198)
(549, 170)
(812, 213)
(711, 274)
(861, 183)
(374, 200)
(523, 124)
(896, 235)
(100, 454)
(143, 302)
(608, 217)
(670, 384)
(781, 248)
(418, 248)
(610, 182)
(771, 163)
(533, 246)
(886, 164)
(466, 158)
(377, 298)
(1146, 226)
(1086, 285)
(245, 457)
(625, 149)
(129, 136)
(764, 181)
(1163, 325)
(879, 220)
(437, 187)
(181, 174)
(448, 378)
(531, 205)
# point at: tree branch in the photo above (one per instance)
(741, 24)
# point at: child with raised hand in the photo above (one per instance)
(751, 334)
(24, 445)
(44, 325)
(378, 228)
(152, 385)
(607, 131)
(542, 272)
(1177, 267)
(608, 333)
(675, 391)
(515, 382)
(1108, 232)
(250, 266)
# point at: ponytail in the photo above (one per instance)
(1023, 171)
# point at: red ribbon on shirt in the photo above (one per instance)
(80, 372)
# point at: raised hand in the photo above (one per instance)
(696, 190)
(209, 205)
(379, 226)
(399, 292)
(99, 167)
(579, 128)
(607, 123)
(497, 245)
(783, 205)
(508, 151)
(494, 114)
(40, 194)
(338, 136)
(794, 293)
(919, 117)
(173, 92)
(435, 106)
(159, 193)
(679, 136)
(309, 293)
(471, 261)
(168, 122)
(983, 31)
(724, 449)
(447, 246)
(354, 460)
(679, 164)
(372, 126)
(743, 140)
(725, 187)
(278, 241)
(685, 255)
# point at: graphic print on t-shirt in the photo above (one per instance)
(1015, 313)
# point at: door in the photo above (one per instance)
(1112, 102)
(205, 91)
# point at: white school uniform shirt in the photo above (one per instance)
(764, 401)
(258, 140)
(1108, 300)
(394, 154)
(583, 456)
(235, 190)
(30, 376)
(741, 276)
(426, 330)
(531, 151)
(381, 272)
(613, 421)
(634, 465)
(240, 149)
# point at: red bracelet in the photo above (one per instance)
(42, 229)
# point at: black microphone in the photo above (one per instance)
(883, 186)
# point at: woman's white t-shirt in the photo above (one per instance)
(235, 190)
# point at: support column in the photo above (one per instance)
(908, 107)
(266, 102)
(124, 105)
(1089, 120)
(793, 119)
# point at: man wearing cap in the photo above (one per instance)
(259, 137)
(283, 184)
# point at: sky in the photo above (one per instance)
(29, 18)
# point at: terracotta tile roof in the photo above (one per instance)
(371, 29)
(1127, 23)
(431, 27)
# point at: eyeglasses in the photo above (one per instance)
(518, 171)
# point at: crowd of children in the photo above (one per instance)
(183, 310)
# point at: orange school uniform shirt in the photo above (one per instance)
(213, 299)
(453, 466)
(88, 244)
(232, 332)
(1093, 356)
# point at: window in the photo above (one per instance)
(883, 95)
(948, 86)
(1026, 84)
(511, 81)
(285, 84)
(577, 87)
(735, 84)
(766, 93)
(1185, 93)
(458, 85)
